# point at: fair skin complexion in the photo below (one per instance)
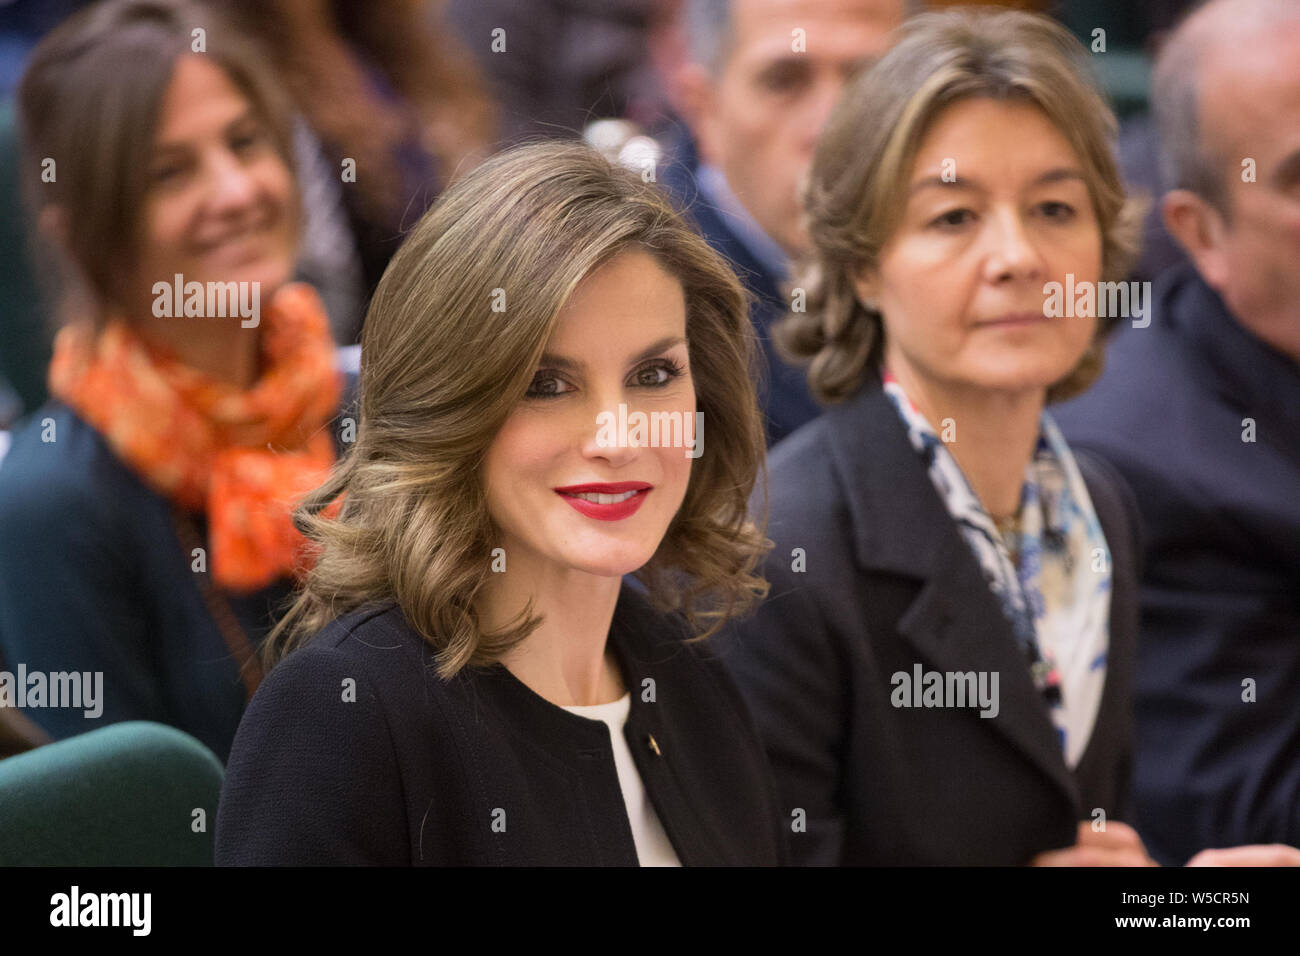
(219, 208)
(621, 338)
(960, 287)
(758, 116)
(1249, 107)
(960, 283)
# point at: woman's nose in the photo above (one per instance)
(1012, 251)
(230, 182)
(607, 428)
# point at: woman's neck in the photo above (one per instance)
(222, 348)
(567, 659)
(993, 434)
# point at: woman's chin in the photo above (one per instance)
(1013, 376)
(269, 277)
(267, 272)
(614, 562)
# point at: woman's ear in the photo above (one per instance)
(866, 286)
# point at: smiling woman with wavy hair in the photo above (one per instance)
(414, 526)
(145, 528)
(469, 598)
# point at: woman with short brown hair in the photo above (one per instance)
(943, 670)
(145, 529)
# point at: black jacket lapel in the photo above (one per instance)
(654, 749)
(901, 526)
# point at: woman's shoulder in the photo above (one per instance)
(315, 774)
(371, 653)
(376, 635)
(59, 468)
(829, 458)
(798, 453)
(808, 499)
(54, 441)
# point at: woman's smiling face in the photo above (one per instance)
(220, 202)
(997, 206)
(564, 497)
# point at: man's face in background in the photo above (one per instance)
(1251, 108)
(756, 113)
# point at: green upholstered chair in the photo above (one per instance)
(127, 794)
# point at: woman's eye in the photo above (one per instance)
(547, 385)
(657, 374)
(165, 175)
(246, 139)
(1057, 210)
(952, 219)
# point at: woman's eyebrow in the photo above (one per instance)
(663, 345)
(180, 146)
(1059, 174)
(564, 363)
(548, 360)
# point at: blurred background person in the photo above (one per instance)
(22, 24)
(389, 107)
(756, 87)
(556, 65)
(145, 528)
(1200, 410)
(397, 108)
(389, 87)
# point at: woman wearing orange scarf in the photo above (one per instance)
(145, 512)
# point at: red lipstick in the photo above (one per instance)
(592, 499)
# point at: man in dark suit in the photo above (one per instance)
(1200, 410)
(761, 79)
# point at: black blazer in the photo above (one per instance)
(423, 771)
(890, 583)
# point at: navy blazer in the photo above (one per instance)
(1221, 587)
(479, 769)
(890, 583)
(784, 396)
(93, 577)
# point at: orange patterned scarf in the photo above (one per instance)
(243, 457)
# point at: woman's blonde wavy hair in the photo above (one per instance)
(441, 371)
(859, 175)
